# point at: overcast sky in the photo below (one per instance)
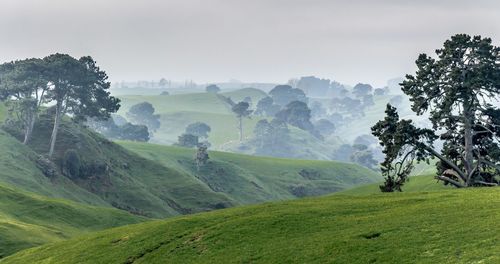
(250, 40)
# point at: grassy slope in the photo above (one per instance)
(157, 188)
(250, 179)
(128, 181)
(28, 220)
(432, 227)
(18, 168)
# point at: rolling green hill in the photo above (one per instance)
(433, 227)
(179, 110)
(28, 220)
(19, 168)
(250, 179)
(164, 180)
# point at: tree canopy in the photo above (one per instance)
(457, 90)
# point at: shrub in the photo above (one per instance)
(71, 163)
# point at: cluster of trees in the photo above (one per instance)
(77, 87)
(458, 90)
(117, 127)
(143, 114)
(271, 138)
(289, 106)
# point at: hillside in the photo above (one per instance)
(19, 168)
(179, 110)
(382, 228)
(250, 179)
(28, 220)
(164, 181)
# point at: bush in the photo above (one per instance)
(71, 163)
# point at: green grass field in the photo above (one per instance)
(28, 220)
(452, 226)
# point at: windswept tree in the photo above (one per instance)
(23, 86)
(241, 110)
(77, 87)
(457, 89)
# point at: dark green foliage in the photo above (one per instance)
(188, 141)
(198, 129)
(285, 94)
(78, 87)
(456, 90)
(402, 143)
(212, 88)
(143, 114)
(71, 163)
(23, 85)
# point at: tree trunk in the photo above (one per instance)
(445, 160)
(29, 129)
(53, 138)
(241, 128)
(469, 156)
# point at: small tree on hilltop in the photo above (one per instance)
(241, 110)
(457, 90)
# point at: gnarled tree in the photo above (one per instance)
(458, 90)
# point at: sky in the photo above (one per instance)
(207, 41)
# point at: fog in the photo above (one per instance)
(263, 40)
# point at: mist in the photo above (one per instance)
(250, 41)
